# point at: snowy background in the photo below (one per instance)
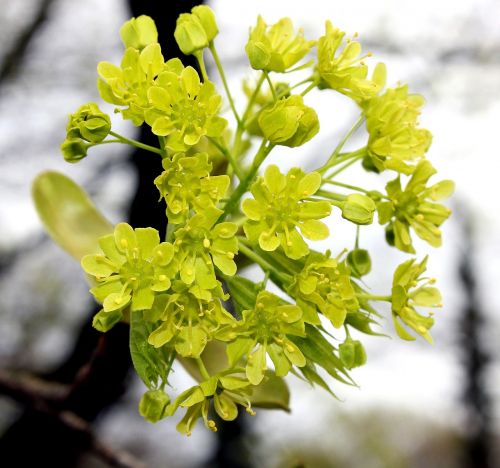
(449, 51)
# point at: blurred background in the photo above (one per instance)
(417, 405)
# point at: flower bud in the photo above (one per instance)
(153, 405)
(104, 321)
(352, 353)
(194, 31)
(289, 122)
(358, 209)
(360, 262)
(89, 123)
(74, 149)
(207, 19)
(139, 32)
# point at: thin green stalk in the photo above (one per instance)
(203, 370)
(271, 86)
(253, 97)
(229, 155)
(330, 195)
(266, 266)
(137, 144)
(233, 201)
(309, 88)
(344, 167)
(201, 63)
(341, 144)
(224, 81)
(347, 186)
(372, 297)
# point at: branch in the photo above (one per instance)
(15, 56)
(49, 398)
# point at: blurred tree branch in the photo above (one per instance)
(50, 399)
(15, 56)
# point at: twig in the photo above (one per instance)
(48, 398)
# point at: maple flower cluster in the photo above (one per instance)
(185, 293)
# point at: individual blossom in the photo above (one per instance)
(277, 47)
(324, 285)
(128, 84)
(133, 267)
(186, 184)
(395, 140)
(410, 289)
(280, 206)
(352, 353)
(266, 330)
(414, 207)
(189, 317)
(139, 32)
(183, 109)
(289, 122)
(201, 244)
(222, 392)
(341, 67)
(194, 31)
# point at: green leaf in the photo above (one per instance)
(68, 215)
(272, 393)
(150, 363)
(104, 321)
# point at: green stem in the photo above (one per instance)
(224, 81)
(330, 195)
(347, 186)
(201, 62)
(229, 155)
(202, 368)
(344, 167)
(137, 144)
(253, 97)
(341, 144)
(266, 266)
(271, 86)
(309, 88)
(372, 297)
(233, 201)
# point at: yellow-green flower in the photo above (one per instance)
(277, 47)
(184, 109)
(395, 140)
(324, 285)
(344, 69)
(289, 122)
(139, 32)
(280, 206)
(265, 330)
(186, 185)
(410, 289)
(413, 207)
(201, 244)
(128, 84)
(194, 31)
(133, 267)
(188, 317)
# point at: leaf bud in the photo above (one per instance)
(139, 32)
(195, 30)
(207, 19)
(352, 353)
(104, 321)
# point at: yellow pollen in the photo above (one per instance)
(290, 348)
(189, 271)
(230, 255)
(419, 217)
(133, 278)
(292, 177)
(162, 277)
(206, 243)
(285, 315)
(118, 300)
(124, 243)
(289, 243)
(260, 305)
